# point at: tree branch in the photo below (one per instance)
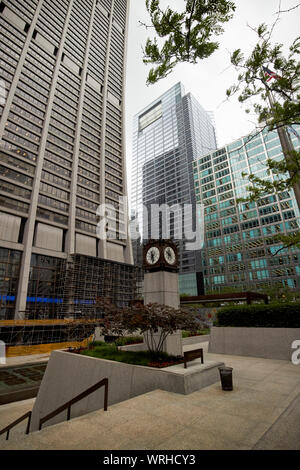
(289, 9)
(188, 34)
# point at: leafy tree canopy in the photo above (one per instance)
(190, 35)
(275, 99)
(283, 89)
(253, 81)
(155, 321)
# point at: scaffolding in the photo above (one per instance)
(88, 278)
(81, 281)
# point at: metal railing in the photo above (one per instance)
(68, 404)
(17, 421)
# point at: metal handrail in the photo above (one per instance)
(17, 421)
(79, 397)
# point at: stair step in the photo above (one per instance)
(12, 411)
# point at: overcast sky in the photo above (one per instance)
(209, 79)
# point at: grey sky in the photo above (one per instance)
(209, 79)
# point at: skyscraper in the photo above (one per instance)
(240, 249)
(168, 135)
(62, 136)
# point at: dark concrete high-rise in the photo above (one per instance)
(62, 141)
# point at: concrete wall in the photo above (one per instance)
(162, 287)
(269, 343)
(185, 342)
(48, 237)
(85, 245)
(69, 374)
(195, 339)
(9, 227)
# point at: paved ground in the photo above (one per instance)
(21, 376)
(31, 358)
(262, 412)
(20, 382)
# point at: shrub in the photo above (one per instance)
(280, 315)
(187, 334)
(129, 340)
(154, 321)
(142, 358)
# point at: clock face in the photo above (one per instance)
(169, 255)
(152, 255)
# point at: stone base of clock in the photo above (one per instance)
(162, 287)
(172, 344)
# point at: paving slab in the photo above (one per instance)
(262, 412)
(284, 434)
(20, 381)
(20, 360)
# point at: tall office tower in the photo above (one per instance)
(168, 135)
(240, 250)
(62, 152)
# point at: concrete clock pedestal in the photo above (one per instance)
(162, 287)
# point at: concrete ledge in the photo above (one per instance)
(69, 374)
(134, 347)
(268, 343)
(185, 342)
(195, 339)
(18, 395)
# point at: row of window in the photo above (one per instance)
(13, 175)
(51, 216)
(15, 190)
(47, 201)
(19, 206)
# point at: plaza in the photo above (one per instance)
(261, 412)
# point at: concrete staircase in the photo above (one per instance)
(9, 413)
(262, 412)
(163, 420)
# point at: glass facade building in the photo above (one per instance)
(168, 136)
(240, 250)
(61, 140)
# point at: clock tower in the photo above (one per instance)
(160, 263)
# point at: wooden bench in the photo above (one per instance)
(191, 355)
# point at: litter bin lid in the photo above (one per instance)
(225, 368)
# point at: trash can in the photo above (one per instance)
(226, 378)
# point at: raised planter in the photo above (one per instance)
(185, 342)
(195, 339)
(269, 343)
(69, 374)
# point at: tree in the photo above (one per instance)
(281, 294)
(189, 38)
(189, 35)
(277, 105)
(272, 79)
(154, 321)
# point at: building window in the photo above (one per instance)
(10, 261)
(150, 116)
